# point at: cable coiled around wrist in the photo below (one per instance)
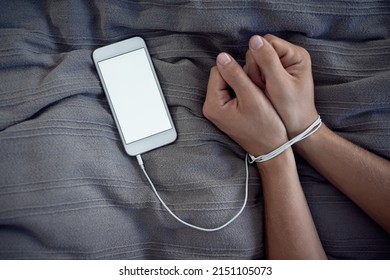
(309, 131)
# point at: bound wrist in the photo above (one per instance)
(303, 145)
(308, 131)
(300, 124)
(277, 164)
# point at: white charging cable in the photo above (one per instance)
(309, 131)
(248, 158)
(141, 164)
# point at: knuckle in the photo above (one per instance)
(236, 72)
(213, 70)
(206, 111)
(269, 37)
(304, 55)
(248, 56)
(268, 54)
(233, 73)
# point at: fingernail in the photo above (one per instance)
(223, 58)
(256, 42)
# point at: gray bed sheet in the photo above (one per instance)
(69, 191)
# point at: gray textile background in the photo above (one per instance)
(67, 188)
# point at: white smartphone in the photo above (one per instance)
(135, 96)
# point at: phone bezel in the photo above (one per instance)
(154, 141)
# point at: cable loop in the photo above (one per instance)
(309, 131)
(141, 164)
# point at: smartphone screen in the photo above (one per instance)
(135, 95)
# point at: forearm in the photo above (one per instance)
(362, 176)
(290, 231)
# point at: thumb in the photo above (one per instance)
(236, 78)
(217, 89)
(266, 58)
(273, 55)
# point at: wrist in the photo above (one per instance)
(300, 124)
(306, 133)
(277, 164)
(303, 146)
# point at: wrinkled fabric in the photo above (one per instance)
(68, 190)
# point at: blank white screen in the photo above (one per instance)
(134, 95)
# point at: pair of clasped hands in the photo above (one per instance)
(274, 102)
(274, 94)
